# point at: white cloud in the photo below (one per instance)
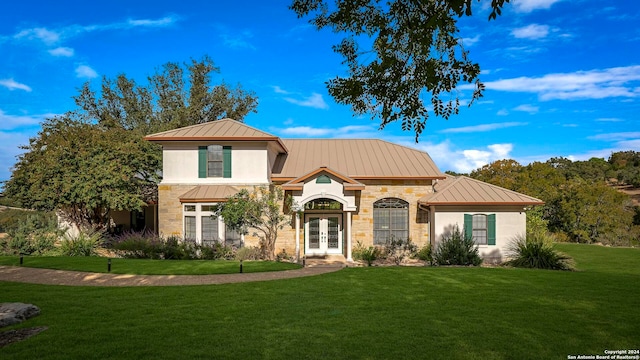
(609, 120)
(592, 84)
(502, 112)
(349, 131)
(84, 71)
(51, 37)
(527, 108)
(13, 85)
(165, 21)
(305, 131)
(279, 90)
(471, 41)
(482, 127)
(11, 122)
(238, 41)
(617, 136)
(314, 101)
(526, 6)
(62, 51)
(448, 157)
(10, 143)
(533, 31)
(46, 36)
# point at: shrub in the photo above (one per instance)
(283, 256)
(216, 251)
(28, 232)
(397, 250)
(426, 254)
(138, 245)
(366, 254)
(86, 243)
(537, 251)
(248, 253)
(457, 249)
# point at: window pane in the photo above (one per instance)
(232, 238)
(214, 153)
(479, 232)
(208, 208)
(189, 208)
(381, 219)
(214, 169)
(209, 228)
(189, 227)
(380, 237)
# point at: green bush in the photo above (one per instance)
(138, 245)
(216, 251)
(457, 249)
(28, 232)
(248, 253)
(397, 250)
(425, 254)
(537, 251)
(366, 254)
(85, 243)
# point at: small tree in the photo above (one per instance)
(260, 210)
(457, 248)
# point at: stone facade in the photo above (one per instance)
(170, 215)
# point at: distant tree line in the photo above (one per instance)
(583, 202)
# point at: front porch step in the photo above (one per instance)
(325, 261)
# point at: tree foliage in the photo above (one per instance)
(259, 210)
(93, 159)
(413, 59)
(580, 203)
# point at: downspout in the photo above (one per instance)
(432, 227)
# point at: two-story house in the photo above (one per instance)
(348, 191)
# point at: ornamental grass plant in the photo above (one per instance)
(536, 250)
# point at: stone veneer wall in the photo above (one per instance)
(170, 209)
(408, 190)
(170, 213)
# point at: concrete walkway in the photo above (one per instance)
(77, 278)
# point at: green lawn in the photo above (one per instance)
(146, 267)
(356, 313)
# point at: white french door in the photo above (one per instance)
(323, 234)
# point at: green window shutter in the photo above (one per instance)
(468, 225)
(226, 161)
(491, 229)
(202, 161)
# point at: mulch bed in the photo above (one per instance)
(11, 336)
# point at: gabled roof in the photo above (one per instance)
(358, 159)
(208, 193)
(463, 190)
(347, 182)
(218, 130)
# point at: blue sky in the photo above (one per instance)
(562, 77)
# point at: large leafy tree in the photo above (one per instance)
(93, 159)
(413, 58)
(260, 210)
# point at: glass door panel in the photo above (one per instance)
(314, 233)
(333, 232)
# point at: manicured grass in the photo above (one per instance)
(146, 267)
(356, 313)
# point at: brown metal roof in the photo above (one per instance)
(466, 191)
(208, 193)
(356, 158)
(219, 130)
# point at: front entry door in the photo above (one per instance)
(323, 234)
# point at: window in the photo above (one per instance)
(190, 227)
(214, 161)
(323, 204)
(232, 237)
(481, 227)
(209, 228)
(323, 179)
(390, 220)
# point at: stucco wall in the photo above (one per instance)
(510, 222)
(249, 161)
